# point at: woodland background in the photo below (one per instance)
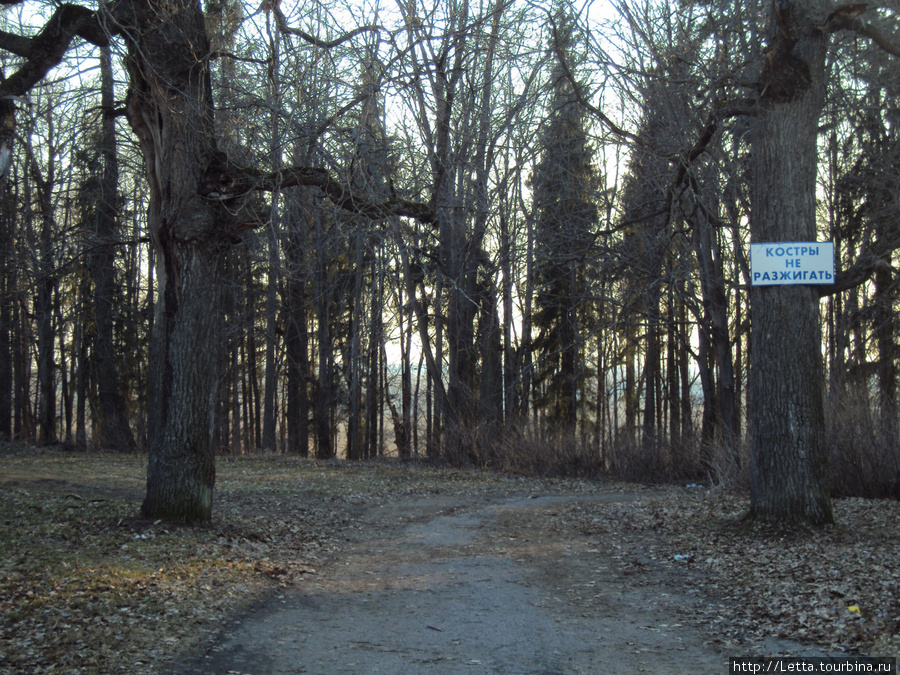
(579, 307)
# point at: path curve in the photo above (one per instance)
(456, 584)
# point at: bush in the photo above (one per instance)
(532, 450)
(864, 454)
(863, 450)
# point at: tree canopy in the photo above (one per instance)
(499, 235)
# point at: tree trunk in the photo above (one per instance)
(65, 392)
(296, 331)
(269, 443)
(115, 431)
(789, 473)
(673, 392)
(270, 381)
(181, 469)
(43, 310)
(510, 362)
(715, 305)
(355, 365)
(324, 390)
(630, 393)
(406, 394)
(373, 391)
(490, 400)
(651, 372)
(82, 369)
(883, 327)
(170, 109)
(709, 420)
(6, 313)
(525, 360)
(23, 412)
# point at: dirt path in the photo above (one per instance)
(381, 567)
(456, 585)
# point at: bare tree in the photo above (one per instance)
(196, 210)
(115, 431)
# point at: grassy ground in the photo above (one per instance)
(86, 586)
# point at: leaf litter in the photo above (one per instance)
(835, 587)
(87, 586)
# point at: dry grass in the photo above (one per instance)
(86, 586)
(836, 587)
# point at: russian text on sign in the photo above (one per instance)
(781, 263)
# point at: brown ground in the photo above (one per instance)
(330, 568)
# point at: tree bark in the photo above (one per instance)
(170, 110)
(325, 394)
(789, 474)
(115, 431)
(43, 310)
(6, 313)
(296, 329)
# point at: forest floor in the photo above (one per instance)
(333, 567)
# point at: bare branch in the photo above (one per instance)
(720, 112)
(849, 18)
(281, 22)
(867, 263)
(17, 44)
(234, 57)
(582, 99)
(46, 49)
(242, 181)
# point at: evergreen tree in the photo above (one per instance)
(564, 183)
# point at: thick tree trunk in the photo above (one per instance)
(170, 109)
(789, 474)
(181, 470)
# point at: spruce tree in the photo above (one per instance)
(564, 183)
